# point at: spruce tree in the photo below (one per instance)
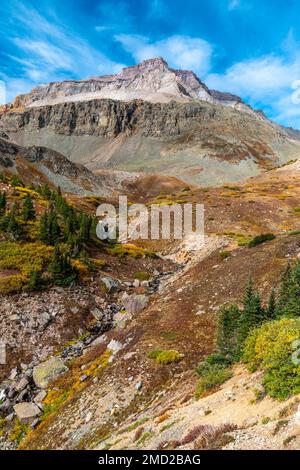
(289, 301)
(54, 228)
(2, 204)
(85, 227)
(252, 315)
(13, 226)
(228, 330)
(44, 229)
(35, 281)
(28, 209)
(271, 309)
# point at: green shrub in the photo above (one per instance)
(165, 356)
(217, 358)
(141, 276)
(211, 376)
(271, 348)
(224, 254)
(259, 239)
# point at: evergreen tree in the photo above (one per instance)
(44, 229)
(252, 315)
(271, 309)
(35, 281)
(13, 226)
(85, 227)
(228, 330)
(45, 191)
(61, 269)
(53, 228)
(289, 300)
(2, 204)
(28, 209)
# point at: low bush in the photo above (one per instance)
(211, 376)
(259, 239)
(164, 357)
(273, 349)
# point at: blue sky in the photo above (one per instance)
(247, 47)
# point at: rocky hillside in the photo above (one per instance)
(133, 386)
(197, 142)
(41, 165)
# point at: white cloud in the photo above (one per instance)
(265, 81)
(257, 78)
(179, 51)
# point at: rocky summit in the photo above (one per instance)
(151, 80)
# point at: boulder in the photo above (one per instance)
(40, 396)
(26, 412)
(46, 371)
(111, 284)
(114, 345)
(134, 303)
(23, 382)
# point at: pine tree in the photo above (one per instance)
(13, 226)
(2, 204)
(227, 331)
(85, 227)
(35, 281)
(28, 209)
(252, 315)
(44, 229)
(271, 309)
(54, 228)
(289, 300)
(46, 192)
(61, 268)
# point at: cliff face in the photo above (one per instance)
(196, 141)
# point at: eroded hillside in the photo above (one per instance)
(115, 394)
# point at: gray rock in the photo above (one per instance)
(40, 396)
(138, 385)
(114, 345)
(26, 412)
(21, 384)
(134, 303)
(112, 285)
(97, 313)
(136, 283)
(46, 371)
(13, 374)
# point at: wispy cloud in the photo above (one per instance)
(47, 51)
(179, 51)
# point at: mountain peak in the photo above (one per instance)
(151, 80)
